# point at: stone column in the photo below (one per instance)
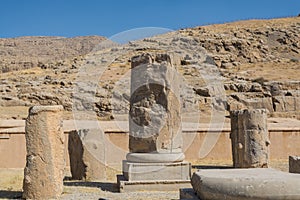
(155, 135)
(155, 117)
(44, 171)
(249, 138)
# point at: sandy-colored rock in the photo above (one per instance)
(286, 103)
(249, 138)
(44, 171)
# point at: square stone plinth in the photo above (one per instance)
(135, 186)
(134, 171)
(154, 176)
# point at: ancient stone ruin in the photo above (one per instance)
(87, 154)
(249, 138)
(155, 139)
(246, 184)
(250, 149)
(44, 171)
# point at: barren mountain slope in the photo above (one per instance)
(259, 61)
(28, 52)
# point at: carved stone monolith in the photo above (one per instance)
(155, 135)
(44, 171)
(249, 138)
(155, 117)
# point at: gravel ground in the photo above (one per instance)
(11, 181)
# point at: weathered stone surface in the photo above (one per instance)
(134, 171)
(155, 161)
(155, 121)
(286, 103)
(154, 185)
(87, 154)
(155, 157)
(294, 164)
(249, 138)
(44, 171)
(246, 184)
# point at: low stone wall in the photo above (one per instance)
(284, 137)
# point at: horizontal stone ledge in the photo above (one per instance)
(155, 157)
(274, 125)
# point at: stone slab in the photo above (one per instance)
(180, 171)
(136, 186)
(294, 164)
(155, 157)
(246, 184)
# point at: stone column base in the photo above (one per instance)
(154, 176)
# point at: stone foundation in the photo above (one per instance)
(246, 184)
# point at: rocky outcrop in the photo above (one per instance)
(257, 67)
(28, 52)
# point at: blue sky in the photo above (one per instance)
(108, 17)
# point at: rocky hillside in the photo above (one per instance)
(28, 52)
(257, 61)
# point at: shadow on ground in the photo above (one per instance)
(110, 187)
(211, 167)
(4, 194)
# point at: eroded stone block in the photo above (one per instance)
(44, 171)
(155, 121)
(249, 138)
(87, 154)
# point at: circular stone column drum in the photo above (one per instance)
(154, 117)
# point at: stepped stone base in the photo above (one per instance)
(154, 176)
(134, 186)
(246, 184)
(156, 171)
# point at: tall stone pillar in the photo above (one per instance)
(249, 138)
(155, 136)
(44, 171)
